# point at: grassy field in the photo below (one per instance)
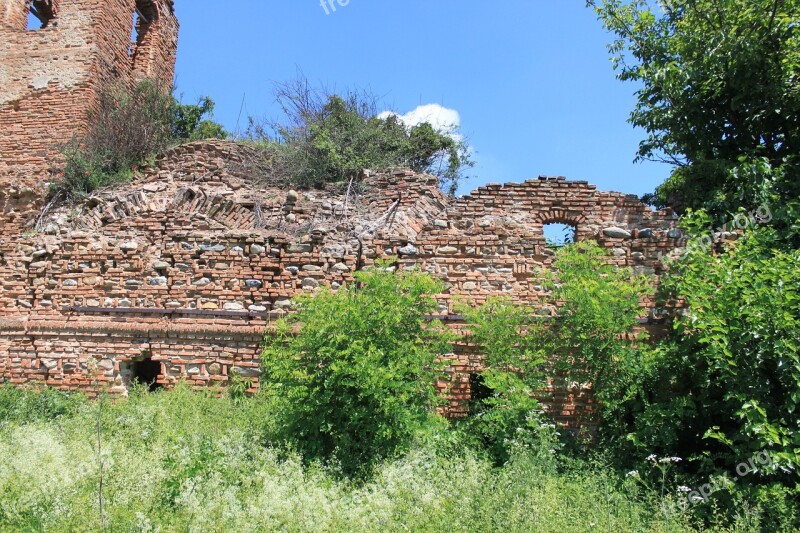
(180, 461)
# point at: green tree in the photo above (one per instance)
(353, 372)
(740, 336)
(599, 305)
(592, 340)
(195, 121)
(719, 85)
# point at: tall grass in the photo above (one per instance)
(184, 461)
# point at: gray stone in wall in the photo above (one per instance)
(283, 304)
(617, 233)
(300, 248)
(408, 249)
(247, 372)
(310, 283)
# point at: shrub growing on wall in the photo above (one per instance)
(127, 128)
(591, 341)
(508, 418)
(353, 372)
(328, 137)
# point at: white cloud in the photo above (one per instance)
(441, 118)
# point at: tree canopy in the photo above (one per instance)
(719, 87)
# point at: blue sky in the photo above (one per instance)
(531, 80)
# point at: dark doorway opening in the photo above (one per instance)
(147, 373)
(478, 391)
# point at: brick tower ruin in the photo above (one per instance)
(54, 57)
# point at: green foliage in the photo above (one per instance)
(238, 386)
(724, 385)
(189, 121)
(718, 88)
(27, 405)
(186, 461)
(510, 418)
(598, 311)
(329, 137)
(741, 337)
(591, 341)
(353, 371)
(127, 129)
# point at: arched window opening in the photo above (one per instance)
(40, 14)
(557, 234)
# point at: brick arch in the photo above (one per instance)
(188, 201)
(560, 216)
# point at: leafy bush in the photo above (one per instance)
(740, 336)
(189, 121)
(510, 418)
(724, 386)
(329, 137)
(21, 406)
(353, 371)
(592, 340)
(599, 307)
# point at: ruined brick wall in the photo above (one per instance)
(49, 77)
(187, 265)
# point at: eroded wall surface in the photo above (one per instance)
(188, 265)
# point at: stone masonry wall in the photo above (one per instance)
(187, 265)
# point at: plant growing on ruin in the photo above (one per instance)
(506, 418)
(193, 122)
(331, 137)
(128, 127)
(590, 341)
(353, 372)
